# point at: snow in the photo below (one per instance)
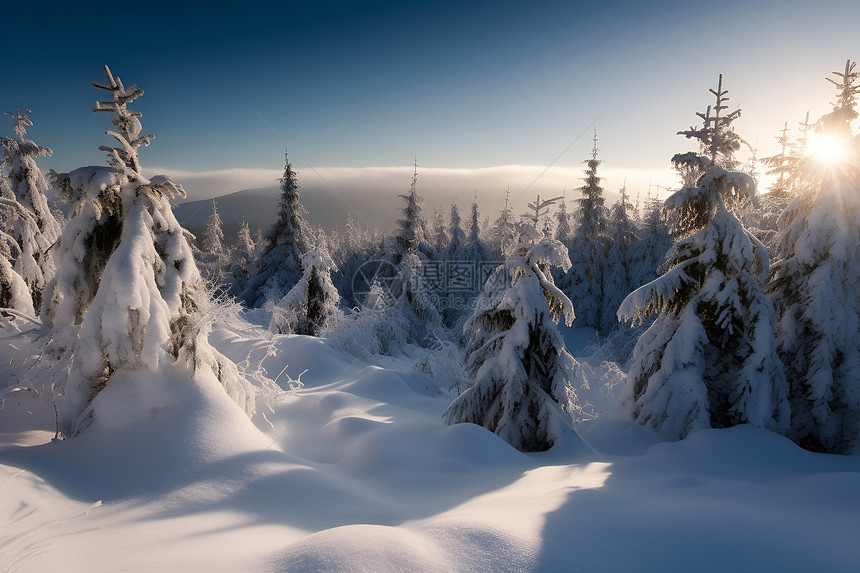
(353, 470)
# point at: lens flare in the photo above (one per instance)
(828, 150)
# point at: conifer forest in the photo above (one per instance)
(598, 379)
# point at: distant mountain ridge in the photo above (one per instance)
(257, 206)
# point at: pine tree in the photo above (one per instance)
(837, 123)
(15, 296)
(213, 233)
(782, 165)
(588, 248)
(411, 229)
(311, 307)
(414, 289)
(523, 374)
(440, 234)
(242, 259)
(280, 265)
(814, 287)
(127, 295)
(799, 147)
(358, 245)
(476, 251)
(504, 231)
(214, 257)
(709, 359)
(619, 270)
(653, 242)
(563, 230)
(464, 265)
(455, 227)
(27, 218)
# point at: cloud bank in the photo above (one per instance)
(370, 193)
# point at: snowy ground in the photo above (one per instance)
(355, 472)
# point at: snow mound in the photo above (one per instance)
(362, 548)
(355, 471)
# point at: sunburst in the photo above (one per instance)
(828, 149)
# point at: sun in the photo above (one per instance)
(828, 150)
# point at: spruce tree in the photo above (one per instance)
(619, 270)
(653, 242)
(504, 231)
(440, 233)
(837, 123)
(814, 286)
(15, 297)
(414, 289)
(27, 218)
(476, 251)
(214, 256)
(311, 307)
(242, 259)
(411, 234)
(588, 248)
(563, 230)
(280, 265)
(455, 227)
(709, 359)
(464, 264)
(782, 165)
(523, 374)
(127, 296)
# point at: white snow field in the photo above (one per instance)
(355, 471)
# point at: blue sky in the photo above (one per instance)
(463, 85)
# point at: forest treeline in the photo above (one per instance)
(727, 305)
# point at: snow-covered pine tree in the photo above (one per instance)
(358, 244)
(413, 289)
(653, 242)
(709, 359)
(782, 165)
(213, 233)
(504, 230)
(440, 234)
(814, 285)
(242, 259)
(450, 261)
(27, 217)
(476, 249)
(588, 248)
(411, 234)
(619, 270)
(837, 123)
(523, 373)
(14, 295)
(455, 227)
(799, 146)
(563, 230)
(311, 307)
(564, 235)
(465, 265)
(127, 295)
(280, 265)
(214, 255)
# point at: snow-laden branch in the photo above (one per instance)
(19, 314)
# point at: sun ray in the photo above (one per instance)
(828, 149)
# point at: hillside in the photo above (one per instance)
(259, 207)
(354, 471)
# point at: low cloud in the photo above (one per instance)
(370, 193)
